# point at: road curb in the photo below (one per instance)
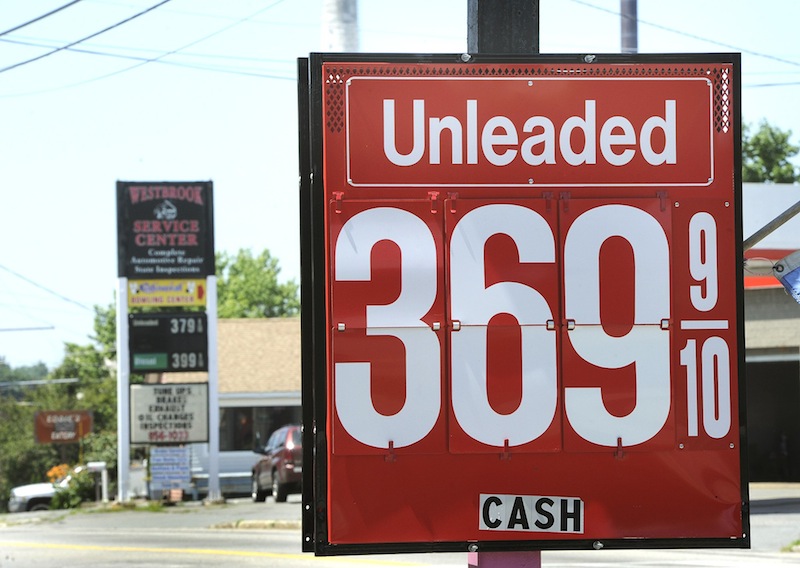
(260, 525)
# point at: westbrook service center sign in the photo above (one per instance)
(526, 303)
(165, 230)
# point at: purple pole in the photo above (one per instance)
(522, 559)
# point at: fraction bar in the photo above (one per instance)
(704, 324)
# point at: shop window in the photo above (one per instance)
(245, 427)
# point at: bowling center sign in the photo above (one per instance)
(523, 303)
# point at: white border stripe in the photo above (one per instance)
(526, 183)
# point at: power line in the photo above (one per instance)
(39, 18)
(762, 85)
(48, 290)
(63, 47)
(159, 58)
(48, 328)
(693, 36)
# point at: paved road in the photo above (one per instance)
(234, 533)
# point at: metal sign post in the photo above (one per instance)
(165, 258)
(123, 386)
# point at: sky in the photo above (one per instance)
(206, 90)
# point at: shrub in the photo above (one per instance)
(80, 488)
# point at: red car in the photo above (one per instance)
(280, 469)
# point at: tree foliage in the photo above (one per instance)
(22, 460)
(248, 287)
(26, 373)
(766, 155)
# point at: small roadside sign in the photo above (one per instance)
(62, 427)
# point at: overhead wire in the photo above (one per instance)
(90, 36)
(692, 36)
(159, 58)
(45, 288)
(237, 71)
(39, 18)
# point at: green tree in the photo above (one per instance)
(248, 287)
(25, 373)
(105, 330)
(766, 154)
(10, 374)
(22, 460)
(96, 389)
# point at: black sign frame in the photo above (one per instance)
(314, 326)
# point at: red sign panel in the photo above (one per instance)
(532, 306)
(545, 131)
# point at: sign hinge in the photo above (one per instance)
(452, 196)
(337, 198)
(506, 455)
(619, 453)
(434, 197)
(391, 456)
(548, 200)
(662, 197)
(564, 197)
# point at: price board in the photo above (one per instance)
(174, 342)
(525, 297)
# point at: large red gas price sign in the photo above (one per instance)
(531, 333)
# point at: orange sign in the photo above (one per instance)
(62, 426)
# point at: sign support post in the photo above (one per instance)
(123, 393)
(511, 28)
(214, 493)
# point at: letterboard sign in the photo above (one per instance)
(169, 413)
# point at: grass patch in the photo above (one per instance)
(793, 547)
(148, 506)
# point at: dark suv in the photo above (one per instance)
(280, 469)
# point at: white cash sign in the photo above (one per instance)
(531, 513)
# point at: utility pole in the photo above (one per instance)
(505, 26)
(629, 26)
(508, 26)
(340, 25)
